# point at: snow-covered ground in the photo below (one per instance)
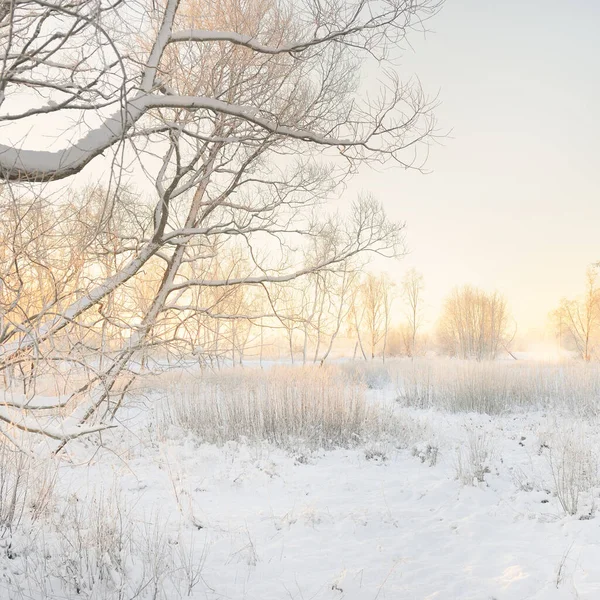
(464, 506)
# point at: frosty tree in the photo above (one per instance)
(209, 129)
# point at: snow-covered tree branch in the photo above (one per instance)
(215, 133)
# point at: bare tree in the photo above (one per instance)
(217, 111)
(474, 324)
(340, 292)
(356, 319)
(412, 292)
(375, 298)
(578, 321)
(324, 304)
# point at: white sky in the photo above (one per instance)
(512, 202)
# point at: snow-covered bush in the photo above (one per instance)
(26, 487)
(417, 385)
(428, 453)
(473, 459)
(97, 548)
(573, 466)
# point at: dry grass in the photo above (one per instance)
(497, 387)
(26, 487)
(316, 407)
(95, 547)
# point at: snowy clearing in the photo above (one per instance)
(457, 505)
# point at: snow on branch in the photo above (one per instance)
(17, 164)
(360, 18)
(59, 432)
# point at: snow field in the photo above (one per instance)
(436, 504)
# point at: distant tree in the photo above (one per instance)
(341, 305)
(412, 293)
(373, 302)
(578, 321)
(474, 324)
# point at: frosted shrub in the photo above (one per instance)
(472, 459)
(26, 487)
(94, 543)
(574, 468)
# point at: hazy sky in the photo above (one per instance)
(512, 202)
